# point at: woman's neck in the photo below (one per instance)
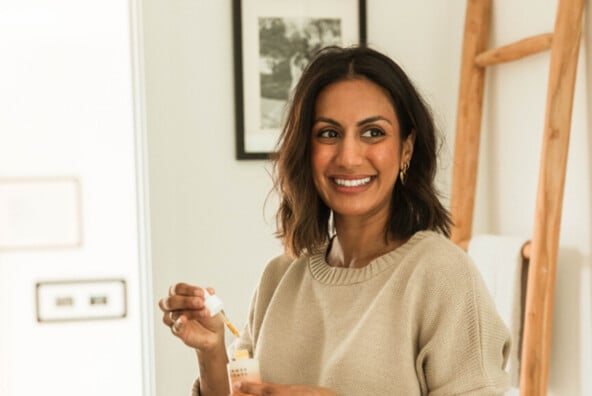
(357, 246)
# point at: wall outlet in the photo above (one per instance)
(81, 300)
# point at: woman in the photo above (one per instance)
(371, 298)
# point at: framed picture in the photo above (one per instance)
(273, 41)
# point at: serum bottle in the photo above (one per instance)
(243, 368)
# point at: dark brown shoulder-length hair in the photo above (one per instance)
(303, 219)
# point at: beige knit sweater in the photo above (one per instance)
(416, 321)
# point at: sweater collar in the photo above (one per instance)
(329, 275)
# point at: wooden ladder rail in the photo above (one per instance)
(564, 43)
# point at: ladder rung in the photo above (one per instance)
(514, 51)
(525, 251)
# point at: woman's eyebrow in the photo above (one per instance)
(372, 119)
(365, 121)
(326, 120)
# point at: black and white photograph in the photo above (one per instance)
(286, 46)
(274, 41)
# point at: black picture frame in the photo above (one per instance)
(272, 40)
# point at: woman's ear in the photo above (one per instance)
(407, 147)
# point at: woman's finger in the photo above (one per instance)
(267, 389)
(169, 317)
(173, 316)
(193, 334)
(180, 302)
(185, 289)
(162, 304)
(251, 388)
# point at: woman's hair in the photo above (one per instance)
(303, 219)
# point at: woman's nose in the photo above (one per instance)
(350, 153)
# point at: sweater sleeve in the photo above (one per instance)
(463, 343)
(271, 276)
(269, 279)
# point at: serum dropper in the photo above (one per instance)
(216, 306)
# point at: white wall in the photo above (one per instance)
(208, 224)
(67, 111)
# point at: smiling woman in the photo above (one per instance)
(371, 297)
(369, 85)
(356, 150)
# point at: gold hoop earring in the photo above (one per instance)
(403, 172)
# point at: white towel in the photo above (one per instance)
(499, 259)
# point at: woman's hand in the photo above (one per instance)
(188, 318)
(260, 389)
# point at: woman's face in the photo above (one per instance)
(356, 149)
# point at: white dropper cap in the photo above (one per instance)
(212, 303)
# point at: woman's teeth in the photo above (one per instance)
(352, 183)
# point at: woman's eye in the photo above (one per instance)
(373, 132)
(327, 134)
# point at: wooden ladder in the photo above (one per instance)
(564, 43)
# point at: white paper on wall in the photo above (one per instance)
(37, 213)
